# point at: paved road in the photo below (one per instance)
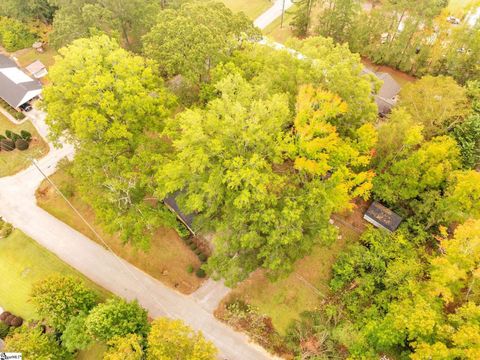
(18, 206)
(272, 13)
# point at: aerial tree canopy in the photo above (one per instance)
(126, 20)
(172, 339)
(437, 103)
(266, 183)
(59, 298)
(110, 103)
(191, 40)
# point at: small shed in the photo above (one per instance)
(37, 69)
(382, 217)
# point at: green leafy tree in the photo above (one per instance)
(58, 299)
(190, 41)
(42, 10)
(126, 20)
(35, 345)
(467, 136)
(14, 35)
(172, 339)
(74, 337)
(418, 172)
(267, 191)
(461, 200)
(302, 17)
(109, 104)
(438, 103)
(339, 71)
(337, 17)
(116, 317)
(128, 347)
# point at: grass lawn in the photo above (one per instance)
(251, 8)
(167, 260)
(27, 56)
(23, 262)
(285, 299)
(12, 162)
(278, 33)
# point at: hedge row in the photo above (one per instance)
(8, 320)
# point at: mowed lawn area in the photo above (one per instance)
(251, 8)
(167, 259)
(27, 56)
(22, 263)
(12, 162)
(285, 299)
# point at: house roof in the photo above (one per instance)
(380, 216)
(390, 87)
(187, 219)
(16, 87)
(35, 67)
(384, 105)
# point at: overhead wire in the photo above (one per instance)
(99, 237)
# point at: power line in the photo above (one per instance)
(28, 158)
(119, 259)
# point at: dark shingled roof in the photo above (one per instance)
(382, 217)
(11, 92)
(171, 202)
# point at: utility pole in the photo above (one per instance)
(283, 10)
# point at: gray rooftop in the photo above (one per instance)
(13, 93)
(383, 217)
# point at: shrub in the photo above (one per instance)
(26, 135)
(190, 269)
(200, 273)
(9, 320)
(21, 144)
(189, 241)
(4, 329)
(7, 145)
(4, 315)
(67, 189)
(5, 231)
(2, 137)
(202, 257)
(182, 230)
(11, 135)
(198, 252)
(193, 246)
(17, 321)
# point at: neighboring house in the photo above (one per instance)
(386, 97)
(382, 217)
(16, 87)
(37, 69)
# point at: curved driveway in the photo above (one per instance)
(18, 206)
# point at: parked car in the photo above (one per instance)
(26, 107)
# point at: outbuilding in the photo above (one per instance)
(37, 69)
(382, 217)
